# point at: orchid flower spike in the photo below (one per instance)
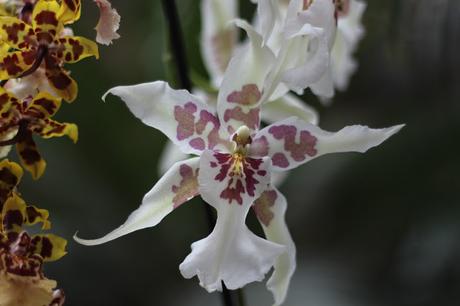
(234, 161)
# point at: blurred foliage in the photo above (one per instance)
(375, 229)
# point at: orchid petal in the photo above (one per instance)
(13, 32)
(310, 35)
(30, 158)
(13, 64)
(30, 85)
(108, 24)
(288, 106)
(183, 117)
(231, 179)
(218, 40)
(349, 32)
(268, 14)
(170, 155)
(324, 87)
(70, 11)
(177, 186)
(241, 90)
(270, 209)
(318, 14)
(293, 142)
(76, 48)
(45, 19)
(231, 253)
(60, 80)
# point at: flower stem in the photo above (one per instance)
(176, 46)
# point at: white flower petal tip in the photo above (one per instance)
(108, 24)
(375, 136)
(176, 187)
(245, 259)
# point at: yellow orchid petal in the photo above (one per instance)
(49, 246)
(45, 20)
(13, 64)
(70, 11)
(13, 214)
(10, 176)
(44, 105)
(30, 157)
(53, 128)
(77, 48)
(60, 80)
(7, 101)
(13, 31)
(34, 215)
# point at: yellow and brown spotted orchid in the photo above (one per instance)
(15, 215)
(28, 117)
(21, 255)
(42, 43)
(10, 177)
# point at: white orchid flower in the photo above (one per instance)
(233, 168)
(218, 44)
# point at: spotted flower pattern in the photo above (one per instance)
(235, 160)
(23, 118)
(22, 255)
(41, 43)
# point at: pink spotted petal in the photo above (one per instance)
(176, 187)
(231, 253)
(187, 121)
(108, 24)
(225, 180)
(270, 209)
(240, 94)
(293, 142)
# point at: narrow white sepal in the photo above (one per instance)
(156, 205)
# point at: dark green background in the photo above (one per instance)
(375, 229)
